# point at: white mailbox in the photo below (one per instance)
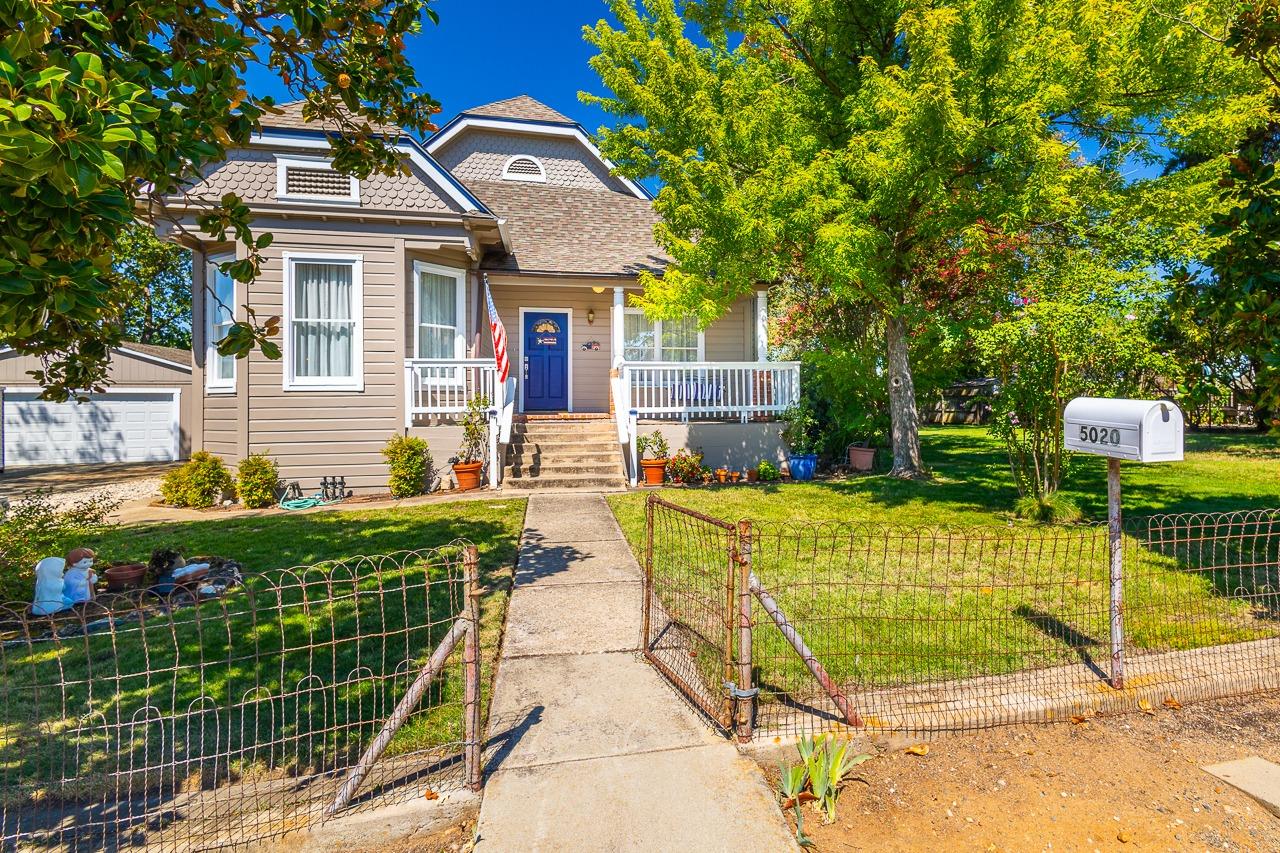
(1142, 430)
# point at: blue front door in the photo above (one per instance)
(546, 361)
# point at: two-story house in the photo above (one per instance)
(380, 287)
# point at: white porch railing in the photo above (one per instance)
(695, 390)
(444, 386)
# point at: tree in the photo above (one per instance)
(858, 144)
(157, 274)
(1046, 352)
(106, 107)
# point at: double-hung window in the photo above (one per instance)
(219, 315)
(660, 340)
(440, 296)
(324, 334)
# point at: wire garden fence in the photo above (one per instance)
(778, 630)
(184, 724)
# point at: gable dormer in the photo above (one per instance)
(521, 140)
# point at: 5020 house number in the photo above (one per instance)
(1100, 435)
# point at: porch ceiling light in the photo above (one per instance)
(597, 289)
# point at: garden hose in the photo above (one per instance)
(303, 503)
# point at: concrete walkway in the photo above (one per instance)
(591, 750)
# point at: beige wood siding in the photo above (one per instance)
(124, 371)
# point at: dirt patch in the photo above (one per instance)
(1122, 782)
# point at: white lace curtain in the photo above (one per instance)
(323, 322)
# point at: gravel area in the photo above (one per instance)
(125, 492)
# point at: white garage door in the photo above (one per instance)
(117, 426)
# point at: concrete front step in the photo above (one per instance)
(566, 481)
(543, 469)
(561, 454)
(564, 429)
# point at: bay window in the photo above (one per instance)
(219, 315)
(324, 328)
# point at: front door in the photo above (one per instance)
(546, 361)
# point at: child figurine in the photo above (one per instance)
(49, 587)
(80, 577)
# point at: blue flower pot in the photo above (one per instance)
(803, 465)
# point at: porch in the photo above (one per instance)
(638, 371)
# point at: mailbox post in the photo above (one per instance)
(1139, 430)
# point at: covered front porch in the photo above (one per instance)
(577, 347)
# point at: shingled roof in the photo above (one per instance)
(568, 230)
(520, 107)
(291, 119)
(181, 356)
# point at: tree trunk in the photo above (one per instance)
(904, 421)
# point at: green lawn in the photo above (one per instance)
(881, 604)
(290, 674)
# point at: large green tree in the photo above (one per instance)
(868, 146)
(107, 105)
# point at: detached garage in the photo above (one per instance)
(143, 416)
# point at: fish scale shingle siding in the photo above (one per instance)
(251, 174)
(481, 155)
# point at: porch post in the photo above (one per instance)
(762, 325)
(615, 327)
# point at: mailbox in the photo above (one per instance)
(1141, 430)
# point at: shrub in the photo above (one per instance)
(802, 429)
(767, 471)
(33, 528)
(475, 431)
(410, 462)
(685, 467)
(203, 481)
(258, 480)
(653, 443)
(1053, 508)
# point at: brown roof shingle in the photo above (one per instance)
(291, 119)
(569, 230)
(181, 356)
(519, 107)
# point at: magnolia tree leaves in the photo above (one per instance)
(108, 108)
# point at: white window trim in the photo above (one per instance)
(540, 178)
(285, 197)
(212, 384)
(460, 309)
(324, 383)
(656, 354)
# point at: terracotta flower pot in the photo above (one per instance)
(735, 476)
(722, 474)
(753, 475)
(124, 576)
(862, 458)
(653, 470)
(468, 475)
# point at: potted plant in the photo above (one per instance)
(475, 435)
(735, 476)
(799, 435)
(656, 466)
(722, 474)
(122, 576)
(862, 457)
(768, 472)
(685, 467)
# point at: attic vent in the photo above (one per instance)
(522, 168)
(299, 181)
(314, 180)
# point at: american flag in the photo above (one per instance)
(499, 335)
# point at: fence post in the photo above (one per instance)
(745, 693)
(471, 664)
(648, 569)
(1114, 533)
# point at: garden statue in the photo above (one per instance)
(49, 587)
(80, 576)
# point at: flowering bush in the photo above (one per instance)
(685, 466)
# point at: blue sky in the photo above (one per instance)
(487, 50)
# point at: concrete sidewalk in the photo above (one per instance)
(591, 749)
